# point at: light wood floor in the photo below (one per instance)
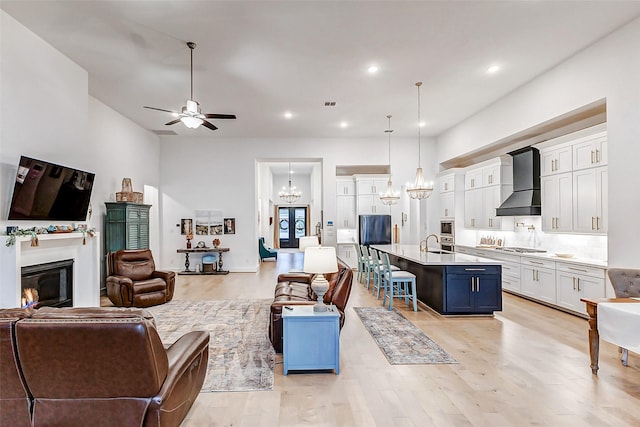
(528, 365)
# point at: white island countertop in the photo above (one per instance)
(413, 253)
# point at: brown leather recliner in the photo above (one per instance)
(107, 367)
(15, 399)
(295, 289)
(133, 281)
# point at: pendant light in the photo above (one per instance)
(390, 197)
(419, 189)
(289, 194)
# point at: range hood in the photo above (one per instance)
(525, 199)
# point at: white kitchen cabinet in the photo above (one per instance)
(446, 183)
(576, 281)
(556, 160)
(510, 271)
(538, 279)
(473, 179)
(346, 212)
(447, 205)
(347, 253)
(480, 207)
(473, 208)
(345, 188)
(371, 186)
(491, 175)
(557, 202)
(590, 200)
(590, 153)
(370, 204)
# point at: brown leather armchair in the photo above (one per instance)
(133, 281)
(15, 400)
(106, 367)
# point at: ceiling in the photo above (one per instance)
(260, 59)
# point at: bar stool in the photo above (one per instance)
(368, 265)
(398, 284)
(380, 269)
(361, 266)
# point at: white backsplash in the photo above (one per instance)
(580, 245)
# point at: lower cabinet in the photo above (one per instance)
(473, 289)
(347, 253)
(538, 280)
(575, 282)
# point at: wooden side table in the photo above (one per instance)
(311, 340)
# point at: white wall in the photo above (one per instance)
(67, 126)
(220, 173)
(607, 69)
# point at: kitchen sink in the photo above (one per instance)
(439, 252)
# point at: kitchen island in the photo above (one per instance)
(450, 283)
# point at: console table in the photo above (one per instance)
(186, 253)
(594, 336)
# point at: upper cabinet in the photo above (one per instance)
(345, 187)
(451, 189)
(574, 182)
(558, 160)
(590, 153)
(487, 185)
(371, 186)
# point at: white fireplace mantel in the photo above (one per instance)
(52, 247)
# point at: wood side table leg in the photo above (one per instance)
(220, 261)
(594, 337)
(186, 261)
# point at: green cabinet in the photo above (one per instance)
(126, 226)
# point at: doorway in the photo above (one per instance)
(292, 224)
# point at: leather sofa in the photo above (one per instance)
(95, 366)
(133, 281)
(295, 289)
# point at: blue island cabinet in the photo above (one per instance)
(472, 289)
(311, 340)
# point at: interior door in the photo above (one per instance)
(292, 223)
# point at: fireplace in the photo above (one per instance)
(48, 284)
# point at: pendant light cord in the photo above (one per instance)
(418, 84)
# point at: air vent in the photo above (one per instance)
(163, 132)
(329, 103)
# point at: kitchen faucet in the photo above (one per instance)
(426, 242)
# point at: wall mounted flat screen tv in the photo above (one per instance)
(47, 191)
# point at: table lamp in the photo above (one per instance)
(305, 242)
(320, 260)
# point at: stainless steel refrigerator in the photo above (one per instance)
(374, 229)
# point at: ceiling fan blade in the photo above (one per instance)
(172, 122)
(161, 109)
(220, 116)
(208, 125)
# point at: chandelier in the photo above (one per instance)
(289, 194)
(390, 197)
(419, 189)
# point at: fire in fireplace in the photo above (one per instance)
(48, 284)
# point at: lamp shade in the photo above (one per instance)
(307, 242)
(320, 260)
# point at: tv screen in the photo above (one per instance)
(47, 191)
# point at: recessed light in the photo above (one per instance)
(288, 114)
(372, 69)
(493, 69)
(344, 124)
(422, 124)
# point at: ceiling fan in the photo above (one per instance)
(190, 114)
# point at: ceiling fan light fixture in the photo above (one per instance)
(191, 122)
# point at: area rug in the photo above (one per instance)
(401, 341)
(241, 357)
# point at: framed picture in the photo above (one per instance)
(229, 226)
(186, 226)
(215, 229)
